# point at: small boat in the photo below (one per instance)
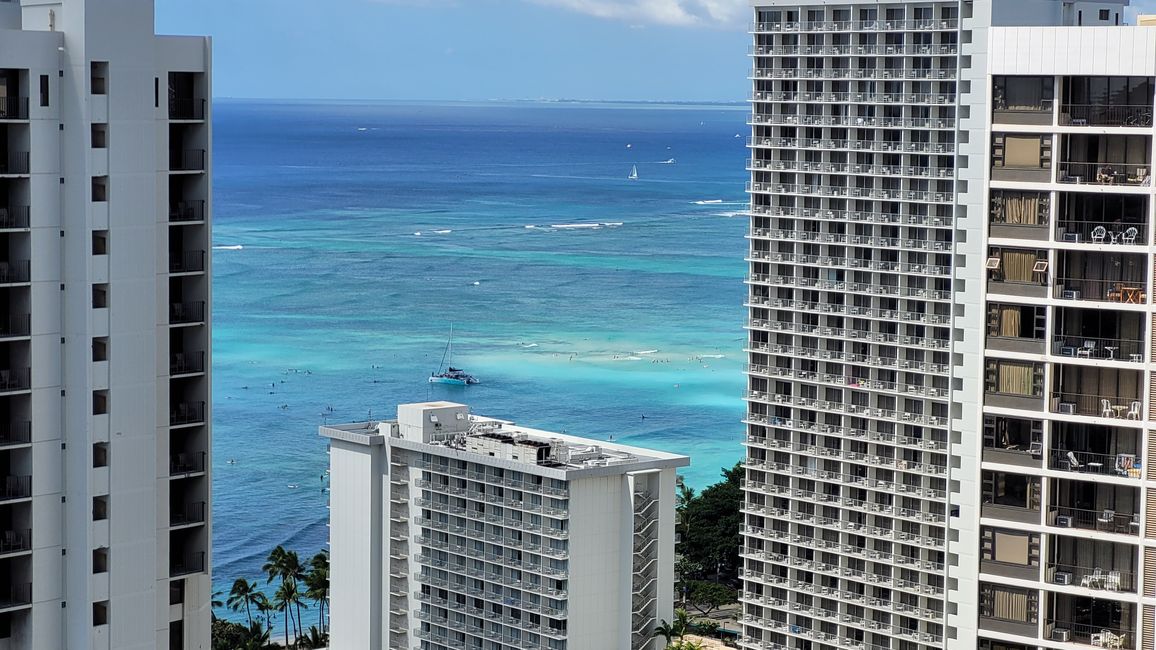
(633, 173)
(447, 373)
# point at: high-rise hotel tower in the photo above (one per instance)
(951, 327)
(104, 338)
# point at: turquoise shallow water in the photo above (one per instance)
(349, 237)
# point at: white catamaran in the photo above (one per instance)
(447, 373)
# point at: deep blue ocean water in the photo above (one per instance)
(348, 237)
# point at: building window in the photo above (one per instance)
(99, 402)
(44, 90)
(98, 79)
(100, 296)
(100, 454)
(1008, 604)
(99, 189)
(100, 613)
(1104, 14)
(1011, 547)
(99, 136)
(100, 508)
(100, 560)
(1021, 378)
(100, 242)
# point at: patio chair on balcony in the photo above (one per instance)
(1106, 409)
(1098, 234)
(1086, 350)
(1073, 462)
(1108, 519)
(1134, 410)
(1113, 581)
(1093, 580)
(1129, 235)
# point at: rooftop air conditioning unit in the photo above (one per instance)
(1062, 578)
(1068, 408)
(1061, 634)
(1063, 521)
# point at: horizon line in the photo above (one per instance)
(539, 100)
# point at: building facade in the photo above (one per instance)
(943, 379)
(450, 530)
(104, 345)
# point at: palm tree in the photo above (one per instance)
(273, 564)
(283, 602)
(256, 639)
(266, 609)
(665, 630)
(317, 585)
(292, 569)
(681, 622)
(215, 604)
(244, 594)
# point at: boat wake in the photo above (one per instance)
(234, 247)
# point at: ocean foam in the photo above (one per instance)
(574, 226)
(442, 232)
(709, 202)
(612, 224)
(729, 215)
(646, 352)
(234, 247)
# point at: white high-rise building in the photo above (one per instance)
(950, 290)
(104, 342)
(451, 530)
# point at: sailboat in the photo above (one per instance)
(633, 173)
(447, 373)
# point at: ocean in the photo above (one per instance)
(348, 237)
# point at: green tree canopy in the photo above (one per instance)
(713, 519)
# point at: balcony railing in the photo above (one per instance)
(16, 487)
(1105, 173)
(192, 261)
(15, 272)
(181, 313)
(13, 108)
(188, 514)
(1102, 406)
(187, 413)
(187, 160)
(15, 379)
(187, 211)
(189, 563)
(185, 363)
(1104, 115)
(16, 433)
(15, 163)
(14, 325)
(186, 108)
(1127, 291)
(1097, 636)
(187, 463)
(1084, 462)
(1085, 347)
(16, 595)
(14, 217)
(1105, 521)
(15, 541)
(1103, 232)
(1095, 577)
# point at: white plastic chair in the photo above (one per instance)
(1112, 582)
(1106, 409)
(1073, 462)
(1098, 234)
(1134, 410)
(1129, 235)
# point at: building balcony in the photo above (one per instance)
(15, 596)
(187, 160)
(1105, 173)
(187, 108)
(1010, 497)
(13, 108)
(1100, 507)
(16, 163)
(15, 434)
(1102, 232)
(1103, 521)
(186, 261)
(186, 211)
(1089, 621)
(187, 313)
(185, 463)
(16, 379)
(15, 272)
(1089, 347)
(1105, 115)
(16, 487)
(1083, 462)
(13, 542)
(186, 363)
(188, 514)
(1092, 564)
(186, 564)
(1097, 392)
(14, 217)
(186, 413)
(15, 325)
(1100, 277)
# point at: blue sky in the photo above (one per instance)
(471, 49)
(474, 49)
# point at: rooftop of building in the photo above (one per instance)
(452, 427)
